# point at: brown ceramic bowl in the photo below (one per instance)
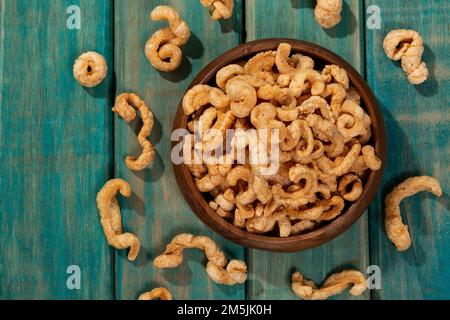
(327, 232)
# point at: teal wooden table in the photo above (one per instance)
(60, 143)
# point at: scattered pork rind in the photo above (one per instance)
(334, 285)
(398, 232)
(328, 13)
(218, 268)
(111, 218)
(158, 293)
(90, 69)
(277, 103)
(125, 106)
(163, 48)
(220, 9)
(407, 46)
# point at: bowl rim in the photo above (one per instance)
(316, 237)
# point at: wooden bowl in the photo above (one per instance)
(318, 236)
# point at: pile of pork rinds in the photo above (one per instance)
(278, 104)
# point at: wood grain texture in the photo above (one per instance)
(157, 211)
(56, 151)
(417, 121)
(270, 273)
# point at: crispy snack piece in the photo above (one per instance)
(398, 232)
(354, 121)
(338, 95)
(218, 268)
(202, 95)
(407, 45)
(261, 65)
(285, 63)
(125, 107)
(353, 182)
(220, 9)
(90, 69)
(328, 13)
(243, 173)
(334, 285)
(337, 73)
(111, 217)
(314, 103)
(298, 82)
(340, 168)
(371, 159)
(227, 73)
(158, 293)
(163, 48)
(243, 97)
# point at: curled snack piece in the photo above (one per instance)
(337, 73)
(407, 45)
(310, 105)
(334, 285)
(354, 121)
(111, 217)
(355, 184)
(226, 201)
(243, 97)
(332, 208)
(398, 232)
(284, 63)
(163, 48)
(328, 13)
(158, 293)
(90, 69)
(227, 73)
(298, 82)
(261, 66)
(124, 108)
(370, 158)
(340, 168)
(242, 173)
(220, 9)
(338, 94)
(201, 95)
(234, 273)
(218, 267)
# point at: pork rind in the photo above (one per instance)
(90, 69)
(111, 218)
(306, 129)
(220, 9)
(125, 106)
(158, 293)
(218, 268)
(407, 46)
(398, 232)
(328, 13)
(163, 48)
(334, 285)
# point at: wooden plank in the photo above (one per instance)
(56, 151)
(295, 19)
(157, 210)
(417, 121)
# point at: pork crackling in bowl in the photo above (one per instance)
(283, 145)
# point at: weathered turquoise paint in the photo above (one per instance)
(157, 211)
(60, 143)
(56, 151)
(417, 121)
